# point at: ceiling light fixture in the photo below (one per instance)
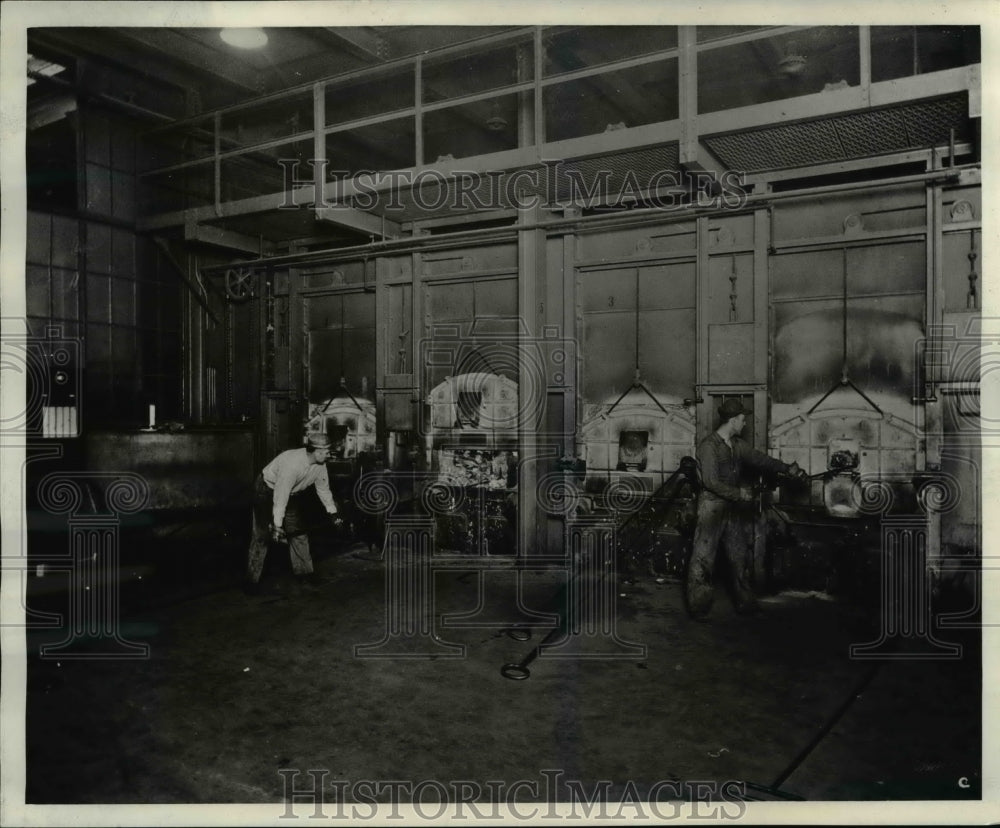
(793, 63)
(496, 122)
(249, 38)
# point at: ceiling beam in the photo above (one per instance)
(211, 62)
(361, 42)
(111, 48)
(351, 218)
(917, 156)
(624, 139)
(820, 105)
(229, 239)
(49, 110)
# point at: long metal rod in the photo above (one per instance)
(759, 34)
(627, 217)
(510, 89)
(538, 99)
(217, 166)
(865, 54)
(832, 297)
(837, 715)
(418, 113)
(861, 240)
(607, 68)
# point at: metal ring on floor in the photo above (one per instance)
(515, 672)
(518, 634)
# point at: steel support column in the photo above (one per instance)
(530, 271)
(687, 96)
(704, 421)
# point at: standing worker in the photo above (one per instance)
(725, 512)
(277, 511)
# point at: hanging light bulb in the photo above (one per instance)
(246, 38)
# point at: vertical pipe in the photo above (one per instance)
(531, 268)
(81, 138)
(319, 145)
(935, 280)
(570, 334)
(539, 55)
(525, 100)
(217, 161)
(843, 326)
(418, 111)
(704, 424)
(188, 374)
(383, 357)
(82, 266)
(417, 334)
(761, 332)
(194, 321)
(865, 54)
(687, 94)
(932, 409)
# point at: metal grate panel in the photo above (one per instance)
(843, 137)
(622, 170)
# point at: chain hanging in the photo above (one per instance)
(734, 314)
(972, 300)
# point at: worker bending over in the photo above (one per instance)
(277, 510)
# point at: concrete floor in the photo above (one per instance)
(238, 688)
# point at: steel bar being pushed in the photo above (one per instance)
(587, 602)
(519, 671)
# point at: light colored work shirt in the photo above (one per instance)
(294, 471)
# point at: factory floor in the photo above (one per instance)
(237, 688)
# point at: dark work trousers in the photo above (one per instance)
(298, 540)
(720, 520)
